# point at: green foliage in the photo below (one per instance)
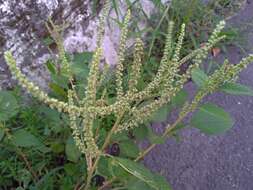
(8, 106)
(32, 142)
(199, 77)
(93, 119)
(236, 89)
(199, 16)
(143, 174)
(212, 120)
(23, 138)
(128, 149)
(72, 152)
(1, 133)
(161, 114)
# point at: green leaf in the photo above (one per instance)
(140, 132)
(103, 167)
(211, 120)
(128, 149)
(57, 147)
(162, 183)
(20, 188)
(46, 180)
(8, 106)
(199, 77)
(108, 168)
(60, 80)
(1, 132)
(155, 139)
(58, 90)
(236, 89)
(50, 114)
(135, 184)
(71, 169)
(119, 172)
(178, 127)
(72, 152)
(51, 67)
(48, 41)
(81, 70)
(120, 137)
(180, 98)
(142, 173)
(24, 138)
(161, 114)
(82, 58)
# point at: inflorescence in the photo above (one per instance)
(167, 83)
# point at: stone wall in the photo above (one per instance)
(22, 30)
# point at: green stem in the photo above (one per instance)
(156, 29)
(167, 132)
(106, 143)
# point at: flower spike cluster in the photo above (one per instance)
(136, 66)
(83, 111)
(121, 55)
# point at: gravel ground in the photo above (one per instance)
(222, 162)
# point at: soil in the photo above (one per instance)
(223, 162)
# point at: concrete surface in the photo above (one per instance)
(222, 162)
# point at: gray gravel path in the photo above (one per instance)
(222, 162)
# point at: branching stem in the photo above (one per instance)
(106, 143)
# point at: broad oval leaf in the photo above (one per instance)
(128, 149)
(212, 120)
(8, 106)
(161, 114)
(140, 132)
(72, 152)
(24, 138)
(199, 77)
(236, 89)
(58, 90)
(82, 58)
(71, 169)
(80, 66)
(143, 174)
(103, 167)
(179, 99)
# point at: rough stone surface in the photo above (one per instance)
(223, 162)
(22, 30)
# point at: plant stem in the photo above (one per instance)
(106, 143)
(189, 108)
(90, 173)
(147, 150)
(156, 29)
(106, 184)
(108, 138)
(168, 130)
